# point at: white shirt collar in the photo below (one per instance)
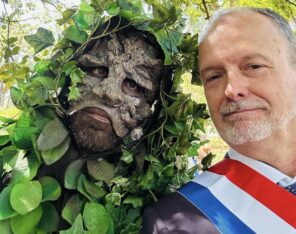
(268, 171)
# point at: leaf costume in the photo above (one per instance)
(50, 183)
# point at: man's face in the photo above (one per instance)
(249, 78)
(122, 80)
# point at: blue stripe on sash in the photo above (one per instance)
(225, 221)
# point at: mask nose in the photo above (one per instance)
(109, 92)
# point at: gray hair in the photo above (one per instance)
(277, 19)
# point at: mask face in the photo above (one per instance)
(123, 73)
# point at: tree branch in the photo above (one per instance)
(16, 21)
(206, 9)
(288, 1)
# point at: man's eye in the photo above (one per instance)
(99, 72)
(254, 66)
(213, 77)
(131, 88)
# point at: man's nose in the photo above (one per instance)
(237, 86)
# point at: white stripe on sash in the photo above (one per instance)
(254, 214)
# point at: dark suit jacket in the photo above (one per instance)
(176, 215)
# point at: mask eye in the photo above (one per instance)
(99, 72)
(131, 88)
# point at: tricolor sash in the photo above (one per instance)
(238, 199)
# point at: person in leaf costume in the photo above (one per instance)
(112, 134)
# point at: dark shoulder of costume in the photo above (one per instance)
(176, 215)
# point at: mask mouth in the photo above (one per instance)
(97, 114)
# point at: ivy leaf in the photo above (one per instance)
(77, 227)
(46, 81)
(55, 154)
(72, 208)
(86, 16)
(113, 8)
(51, 189)
(41, 40)
(126, 157)
(74, 93)
(50, 219)
(101, 170)
(114, 198)
(73, 171)
(25, 224)
(73, 33)
(53, 134)
(25, 197)
(42, 66)
(76, 76)
(6, 211)
(135, 201)
(67, 14)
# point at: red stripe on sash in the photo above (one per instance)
(276, 198)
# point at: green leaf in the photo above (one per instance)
(17, 98)
(50, 218)
(7, 120)
(126, 157)
(46, 81)
(51, 189)
(10, 157)
(74, 93)
(69, 67)
(53, 155)
(25, 169)
(85, 20)
(23, 131)
(77, 227)
(6, 211)
(76, 75)
(113, 8)
(73, 33)
(25, 197)
(135, 201)
(73, 171)
(41, 40)
(114, 198)
(93, 189)
(96, 218)
(72, 208)
(67, 14)
(4, 139)
(101, 170)
(81, 189)
(36, 93)
(42, 66)
(5, 227)
(53, 134)
(25, 224)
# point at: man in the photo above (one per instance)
(247, 63)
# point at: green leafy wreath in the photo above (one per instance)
(106, 198)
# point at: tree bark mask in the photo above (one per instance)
(123, 73)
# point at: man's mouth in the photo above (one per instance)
(242, 114)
